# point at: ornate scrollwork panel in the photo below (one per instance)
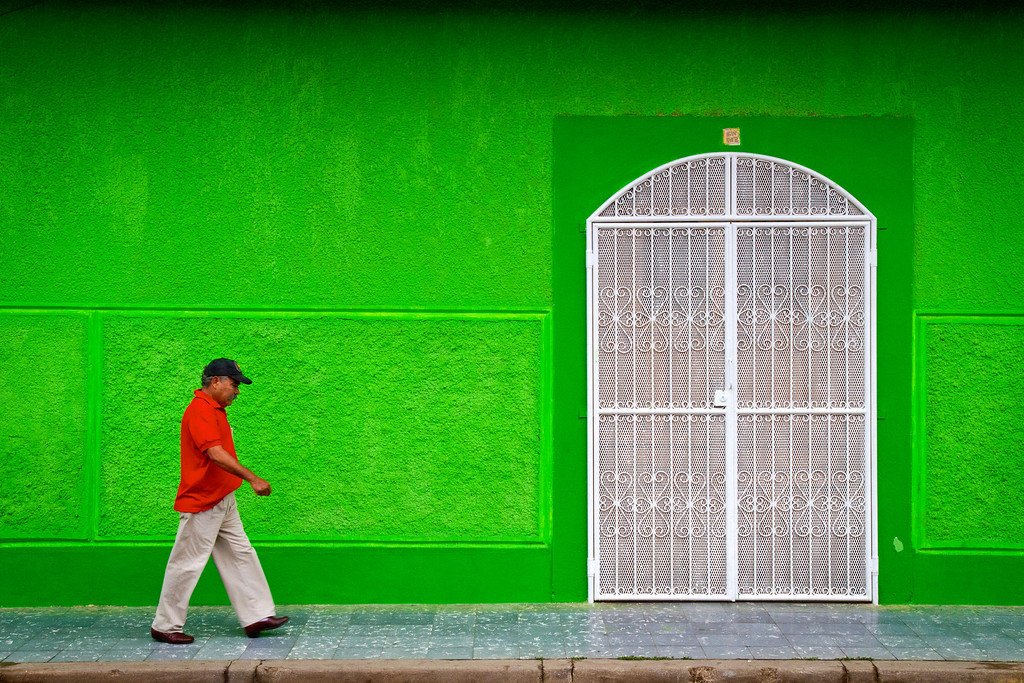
(695, 187)
(766, 187)
(801, 312)
(660, 316)
(802, 501)
(661, 504)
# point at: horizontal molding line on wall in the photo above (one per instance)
(276, 543)
(981, 316)
(411, 312)
(982, 548)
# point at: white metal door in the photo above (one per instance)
(731, 386)
(661, 454)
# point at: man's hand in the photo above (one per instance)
(260, 486)
(222, 459)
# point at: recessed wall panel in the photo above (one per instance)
(972, 432)
(421, 429)
(43, 424)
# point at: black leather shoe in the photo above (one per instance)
(268, 624)
(176, 638)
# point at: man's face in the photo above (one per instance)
(223, 390)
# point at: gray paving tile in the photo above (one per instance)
(676, 640)
(634, 639)
(393, 617)
(134, 642)
(500, 633)
(742, 641)
(816, 627)
(891, 629)
(324, 654)
(317, 641)
(915, 653)
(405, 652)
(450, 653)
(725, 652)
(218, 654)
(358, 653)
(181, 653)
(136, 655)
(372, 630)
(1014, 655)
(904, 642)
(680, 652)
(13, 644)
(365, 642)
(508, 652)
(959, 654)
(270, 642)
(454, 616)
(812, 639)
(264, 653)
(931, 629)
(673, 627)
(496, 618)
(32, 656)
(448, 630)
(458, 640)
(413, 631)
(78, 656)
(818, 652)
(635, 650)
(627, 629)
(488, 639)
(997, 643)
(856, 652)
(737, 629)
(773, 652)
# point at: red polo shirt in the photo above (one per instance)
(203, 483)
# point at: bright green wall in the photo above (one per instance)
(359, 205)
(972, 382)
(42, 391)
(373, 428)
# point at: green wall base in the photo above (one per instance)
(117, 575)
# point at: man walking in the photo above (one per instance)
(210, 473)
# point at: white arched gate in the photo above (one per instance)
(731, 323)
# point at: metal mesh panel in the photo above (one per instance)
(661, 498)
(772, 188)
(660, 321)
(802, 505)
(800, 317)
(692, 188)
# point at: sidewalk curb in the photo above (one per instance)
(524, 670)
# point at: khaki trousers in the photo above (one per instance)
(218, 531)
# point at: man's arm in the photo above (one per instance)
(222, 459)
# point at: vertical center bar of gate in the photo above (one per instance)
(729, 384)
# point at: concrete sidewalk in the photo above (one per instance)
(692, 641)
(696, 631)
(517, 671)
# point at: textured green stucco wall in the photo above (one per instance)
(368, 428)
(358, 205)
(973, 436)
(43, 425)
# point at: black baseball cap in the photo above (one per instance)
(225, 367)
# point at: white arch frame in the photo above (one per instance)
(729, 215)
